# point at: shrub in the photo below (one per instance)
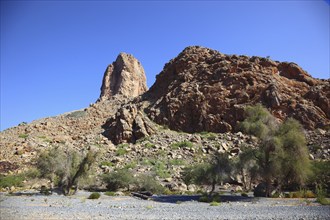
(176, 162)
(149, 145)
(23, 136)
(109, 193)
(118, 179)
(121, 151)
(65, 167)
(217, 170)
(148, 183)
(204, 133)
(211, 137)
(302, 194)
(76, 114)
(309, 194)
(321, 196)
(214, 203)
(203, 198)
(320, 175)
(32, 173)
(244, 194)
(131, 165)
(182, 144)
(323, 201)
(94, 195)
(276, 195)
(106, 163)
(297, 194)
(11, 180)
(161, 170)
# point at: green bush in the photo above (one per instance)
(203, 198)
(161, 170)
(106, 163)
(109, 193)
(76, 114)
(118, 179)
(148, 183)
(244, 194)
(121, 151)
(32, 173)
(94, 195)
(131, 165)
(302, 194)
(309, 194)
(321, 196)
(182, 144)
(23, 136)
(149, 145)
(297, 194)
(11, 180)
(323, 201)
(276, 195)
(320, 175)
(214, 203)
(176, 162)
(65, 167)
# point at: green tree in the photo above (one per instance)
(295, 162)
(215, 171)
(122, 178)
(65, 167)
(282, 154)
(247, 167)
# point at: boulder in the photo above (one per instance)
(128, 125)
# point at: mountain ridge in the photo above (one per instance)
(201, 90)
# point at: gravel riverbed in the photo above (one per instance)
(27, 206)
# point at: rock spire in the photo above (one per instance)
(124, 77)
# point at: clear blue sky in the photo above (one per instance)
(54, 53)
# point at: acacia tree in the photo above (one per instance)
(215, 171)
(282, 154)
(246, 166)
(295, 164)
(65, 167)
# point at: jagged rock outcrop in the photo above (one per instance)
(205, 90)
(128, 125)
(125, 77)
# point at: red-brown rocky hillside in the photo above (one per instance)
(204, 90)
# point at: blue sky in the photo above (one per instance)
(54, 53)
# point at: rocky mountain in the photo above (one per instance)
(204, 90)
(124, 77)
(199, 92)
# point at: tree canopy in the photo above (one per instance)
(282, 154)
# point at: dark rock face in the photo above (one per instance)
(125, 77)
(204, 90)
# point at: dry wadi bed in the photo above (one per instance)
(168, 207)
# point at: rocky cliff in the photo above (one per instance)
(204, 90)
(125, 77)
